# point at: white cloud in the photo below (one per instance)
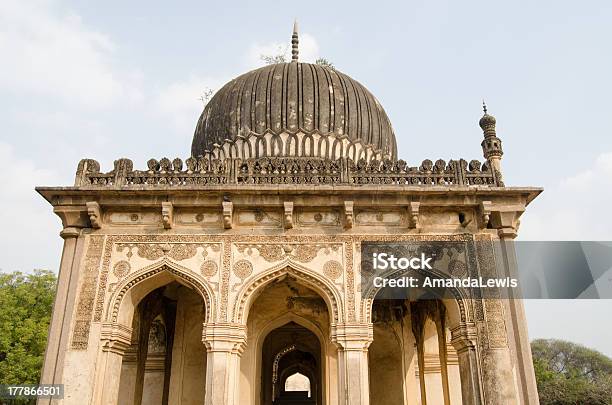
(31, 229)
(308, 47)
(181, 102)
(54, 54)
(577, 208)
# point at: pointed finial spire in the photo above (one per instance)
(484, 106)
(294, 43)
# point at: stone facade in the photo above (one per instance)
(229, 245)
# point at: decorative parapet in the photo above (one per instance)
(287, 170)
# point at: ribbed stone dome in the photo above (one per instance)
(295, 109)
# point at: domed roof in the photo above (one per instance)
(301, 101)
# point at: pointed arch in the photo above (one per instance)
(457, 308)
(250, 290)
(132, 289)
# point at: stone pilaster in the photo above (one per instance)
(116, 340)
(506, 221)
(73, 220)
(353, 341)
(225, 343)
(463, 339)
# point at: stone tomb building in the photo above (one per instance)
(233, 277)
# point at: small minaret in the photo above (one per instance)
(491, 145)
(294, 43)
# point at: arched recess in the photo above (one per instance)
(318, 376)
(416, 343)
(136, 286)
(251, 289)
(283, 320)
(118, 332)
(458, 310)
(252, 364)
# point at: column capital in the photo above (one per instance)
(225, 337)
(70, 232)
(353, 336)
(116, 338)
(506, 220)
(464, 336)
(73, 215)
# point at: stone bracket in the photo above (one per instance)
(167, 214)
(413, 215)
(288, 217)
(228, 210)
(506, 220)
(484, 211)
(348, 214)
(95, 214)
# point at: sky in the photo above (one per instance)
(114, 79)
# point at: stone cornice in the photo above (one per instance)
(469, 195)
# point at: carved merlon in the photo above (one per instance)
(288, 217)
(228, 209)
(348, 214)
(167, 214)
(205, 171)
(413, 215)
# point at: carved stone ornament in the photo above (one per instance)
(167, 214)
(303, 253)
(210, 170)
(95, 217)
(228, 208)
(209, 268)
(155, 251)
(332, 269)
(243, 269)
(121, 269)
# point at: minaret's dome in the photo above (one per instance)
(294, 109)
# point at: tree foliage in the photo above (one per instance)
(280, 57)
(326, 63)
(568, 373)
(26, 302)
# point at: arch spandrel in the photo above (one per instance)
(132, 289)
(249, 290)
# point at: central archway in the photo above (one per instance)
(289, 350)
(289, 324)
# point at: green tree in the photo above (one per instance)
(568, 373)
(26, 302)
